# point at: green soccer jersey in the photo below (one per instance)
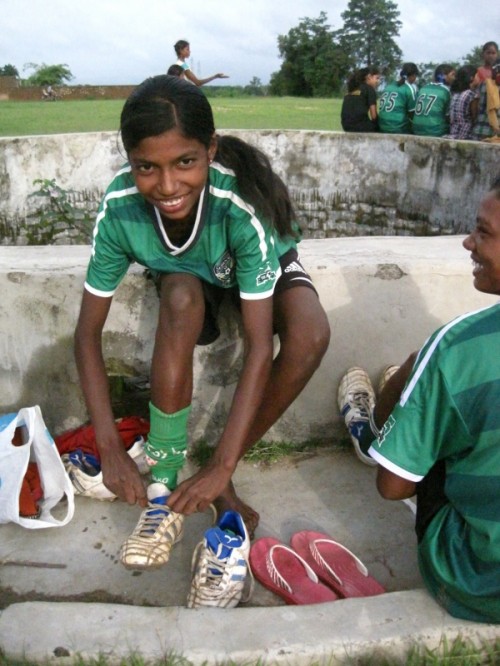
(229, 244)
(395, 105)
(432, 110)
(449, 410)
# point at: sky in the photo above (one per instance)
(112, 42)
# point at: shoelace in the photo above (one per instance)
(361, 400)
(215, 569)
(152, 518)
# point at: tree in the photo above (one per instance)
(313, 62)
(48, 75)
(8, 70)
(368, 33)
(474, 57)
(255, 87)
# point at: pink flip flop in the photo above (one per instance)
(285, 573)
(335, 565)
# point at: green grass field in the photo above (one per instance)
(27, 118)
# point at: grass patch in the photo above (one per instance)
(284, 113)
(458, 652)
(264, 453)
(28, 118)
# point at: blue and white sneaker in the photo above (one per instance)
(158, 529)
(84, 470)
(220, 565)
(356, 400)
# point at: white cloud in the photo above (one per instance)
(124, 41)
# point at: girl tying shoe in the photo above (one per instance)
(206, 215)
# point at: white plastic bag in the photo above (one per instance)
(38, 446)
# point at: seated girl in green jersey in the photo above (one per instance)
(432, 108)
(397, 102)
(207, 215)
(434, 431)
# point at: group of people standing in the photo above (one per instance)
(458, 103)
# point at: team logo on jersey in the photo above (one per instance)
(267, 275)
(224, 268)
(388, 426)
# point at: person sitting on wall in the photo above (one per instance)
(183, 51)
(435, 431)
(490, 56)
(487, 125)
(359, 107)
(463, 110)
(432, 109)
(397, 102)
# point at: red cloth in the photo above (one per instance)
(129, 427)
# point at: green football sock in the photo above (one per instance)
(167, 444)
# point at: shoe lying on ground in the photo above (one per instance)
(356, 400)
(387, 373)
(84, 470)
(220, 565)
(158, 529)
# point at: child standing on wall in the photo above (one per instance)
(207, 215)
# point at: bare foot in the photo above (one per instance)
(228, 500)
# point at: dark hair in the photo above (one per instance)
(359, 77)
(441, 72)
(175, 70)
(181, 44)
(163, 102)
(463, 79)
(408, 69)
(487, 45)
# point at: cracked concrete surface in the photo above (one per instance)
(83, 602)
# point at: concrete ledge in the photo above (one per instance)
(383, 297)
(332, 633)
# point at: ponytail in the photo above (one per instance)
(258, 184)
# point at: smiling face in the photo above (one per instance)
(484, 245)
(170, 171)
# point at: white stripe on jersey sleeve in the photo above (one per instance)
(98, 292)
(255, 222)
(256, 297)
(395, 469)
(421, 363)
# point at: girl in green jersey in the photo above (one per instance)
(205, 213)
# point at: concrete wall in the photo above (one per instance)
(383, 297)
(342, 184)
